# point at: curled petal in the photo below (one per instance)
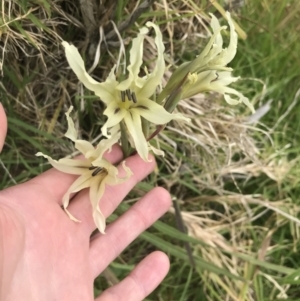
(227, 54)
(113, 179)
(103, 90)
(231, 100)
(136, 59)
(231, 50)
(71, 132)
(218, 43)
(225, 78)
(151, 81)
(70, 166)
(83, 146)
(241, 97)
(128, 171)
(200, 63)
(156, 151)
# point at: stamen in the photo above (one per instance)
(134, 97)
(96, 171)
(128, 94)
(92, 167)
(123, 96)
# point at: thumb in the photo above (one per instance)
(3, 126)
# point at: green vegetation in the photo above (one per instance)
(237, 184)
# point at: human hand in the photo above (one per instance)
(3, 126)
(46, 256)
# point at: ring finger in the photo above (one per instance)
(119, 234)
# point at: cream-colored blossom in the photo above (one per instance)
(129, 100)
(210, 68)
(218, 82)
(94, 171)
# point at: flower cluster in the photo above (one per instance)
(135, 100)
(209, 71)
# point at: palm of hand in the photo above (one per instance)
(52, 247)
(50, 257)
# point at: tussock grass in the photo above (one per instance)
(236, 182)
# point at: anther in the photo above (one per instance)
(96, 171)
(123, 96)
(92, 167)
(128, 94)
(133, 97)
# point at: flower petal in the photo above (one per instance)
(112, 179)
(82, 182)
(241, 97)
(96, 192)
(70, 166)
(136, 60)
(151, 81)
(227, 54)
(155, 113)
(232, 47)
(225, 78)
(85, 147)
(103, 146)
(134, 126)
(115, 115)
(200, 62)
(98, 188)
(101, 162)
(103, 90)
(71, 132)
(156, 151)
(216, 27)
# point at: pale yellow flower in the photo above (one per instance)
(129, 100)
(218, 82)
(209, 71)
(94, 171)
